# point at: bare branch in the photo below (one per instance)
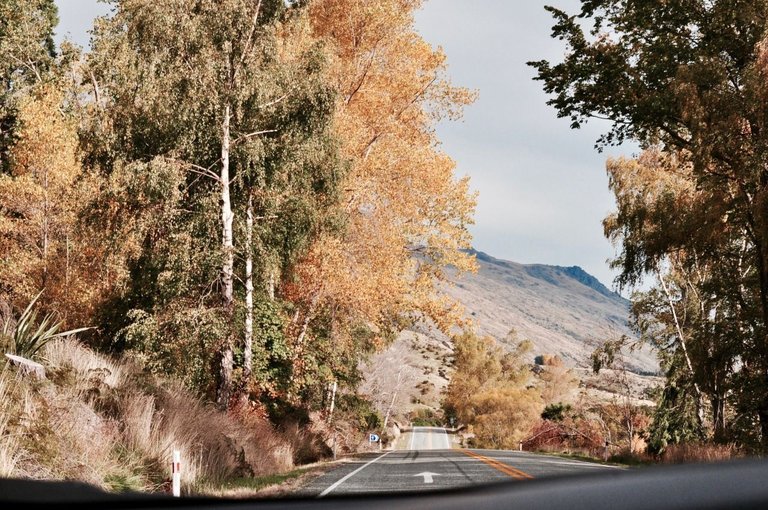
(265, 105)
(251, 135)
(196, 169)
(96, 91)
(249, 41)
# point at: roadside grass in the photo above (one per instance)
(257, 486)
(104, 422)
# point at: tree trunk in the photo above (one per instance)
(271, 285)
(763, 405)
(227, 269)
(699, 398)
(248, 345)
(718, 418)
(45, 233)
(66, 270)
(394, 397)
(333, 400)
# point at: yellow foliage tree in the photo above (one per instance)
(405, 212)
(505, 416)
(40, 200)
(490, 391)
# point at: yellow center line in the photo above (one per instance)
(500, 466)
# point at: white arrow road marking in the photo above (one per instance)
(427, 476)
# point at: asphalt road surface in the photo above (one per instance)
(426, 461)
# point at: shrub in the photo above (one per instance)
(26, 335)
(426, 417)
(699, 452)
(555, 412)
(360, 412)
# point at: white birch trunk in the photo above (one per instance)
(248, 346)
(225, 387)
(684, 347)
(333, 401)
(271, 285)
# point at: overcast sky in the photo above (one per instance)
(542, 187)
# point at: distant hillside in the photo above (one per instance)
(562, 310)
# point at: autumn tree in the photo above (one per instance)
(557, 382)
(43, 247)
(623, 417)
(26, 54)
(693, 315)
(690, 78)
(405, 212)
(491, 391)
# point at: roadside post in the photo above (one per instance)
(521, 446)
(176, 471)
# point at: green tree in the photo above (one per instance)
(689, 77)
(208, 112)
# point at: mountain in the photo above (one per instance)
(562, 310)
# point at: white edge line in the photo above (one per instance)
(350, 475)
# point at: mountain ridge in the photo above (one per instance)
(563, 310)
(575, 272)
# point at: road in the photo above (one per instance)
(426, 461)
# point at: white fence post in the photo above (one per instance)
(176, 473)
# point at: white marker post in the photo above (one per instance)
(176, 473)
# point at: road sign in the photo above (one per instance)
(373, 438)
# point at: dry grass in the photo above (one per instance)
(104, 422)
(69, 353)
(9, 444)
(699, 452)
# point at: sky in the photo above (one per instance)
(543, 191)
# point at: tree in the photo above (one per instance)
(623, 415)
(26, 54)
(689, 77)
(42, 247)
(557, 382)
(694, 314)
(208, 95)
(404, 212)
(490, 390)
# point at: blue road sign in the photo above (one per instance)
(373, 438)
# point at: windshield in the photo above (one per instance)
(273, 248)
